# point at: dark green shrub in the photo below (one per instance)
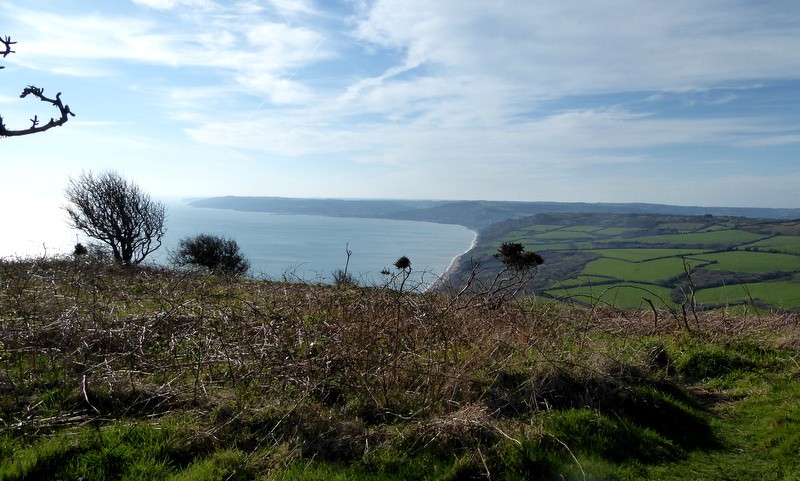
(513, 256)
(217, 254)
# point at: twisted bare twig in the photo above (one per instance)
(7, 43)
(37, 92)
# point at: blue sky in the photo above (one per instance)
(680, 102)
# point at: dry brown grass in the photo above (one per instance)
(322, 367)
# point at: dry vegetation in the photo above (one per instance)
(283, 373)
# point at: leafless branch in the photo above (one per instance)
(7, 43)
(36, 125)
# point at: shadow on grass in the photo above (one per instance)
(635, 410)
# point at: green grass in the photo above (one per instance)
(387, 465)
(725, 237)
(582, 280)
(639, 255)
(627, 294)
(783, 243)
(749, 426)
(682, 226)
(784, 295)
(582, 228)
(550, 247)
(754, 414)
(535, 229)
(659, 270)
(614, 231)
(752, 262)
(562, 234)
(119, 451)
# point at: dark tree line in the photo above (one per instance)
(36, 124)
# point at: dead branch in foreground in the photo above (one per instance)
(36, 125)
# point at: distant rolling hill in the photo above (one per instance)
(474, 214)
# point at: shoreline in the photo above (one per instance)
(455, 264)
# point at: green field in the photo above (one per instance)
(683, 226)
(639, 255)
(582, 228)
(755, 255)
(583, 280)
(752, 262)
(785, 295)
(722, 237)
(535, 229)
(782, 243)
(655, 271)
(564, 234)
(627, 294)
(554, 247)
(613, 231)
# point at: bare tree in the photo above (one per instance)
(36, 124)
(116, 212)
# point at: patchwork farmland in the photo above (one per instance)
(666, 261)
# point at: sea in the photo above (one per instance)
(302, 248)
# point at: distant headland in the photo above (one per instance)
(473, 214)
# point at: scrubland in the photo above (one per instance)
(154, 373)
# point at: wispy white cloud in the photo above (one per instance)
(430, 91)
(293, 7)
(563, 47)
(577, 135)
(772, 140)
(169, 4)
(227, 39)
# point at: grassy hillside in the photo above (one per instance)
(674, 262)
(158, 374)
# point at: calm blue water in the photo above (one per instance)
(310, 248)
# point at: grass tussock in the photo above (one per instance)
(160, 374)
